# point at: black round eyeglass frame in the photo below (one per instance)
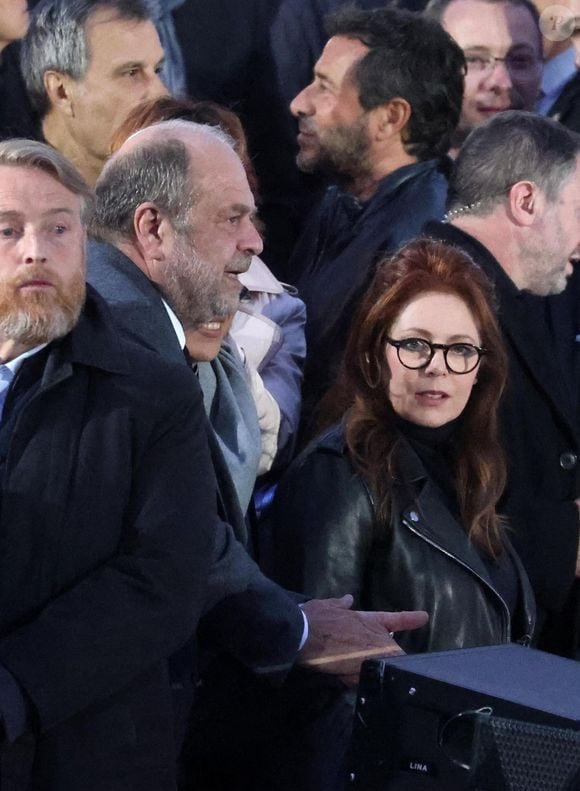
(433, 347)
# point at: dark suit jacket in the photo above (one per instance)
(566, 108)
(17, 118)
(102, 567)
(248, 616)
(540, 425)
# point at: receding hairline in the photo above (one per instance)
(513, 3)
(200, 141)
(189, 133)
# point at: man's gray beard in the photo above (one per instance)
(545, 269)
(39, 317)
(194, 290)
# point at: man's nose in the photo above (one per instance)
(156, 87)
(251, 241)
(33, 248)
(499, 76)
(300, 104)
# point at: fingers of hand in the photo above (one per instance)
(395, 621)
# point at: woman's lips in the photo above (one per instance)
(431, 397)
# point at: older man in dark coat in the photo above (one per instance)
(175, 210)
(107, 509)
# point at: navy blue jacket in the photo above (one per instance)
(337, 255)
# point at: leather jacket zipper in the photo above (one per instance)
(507, 619)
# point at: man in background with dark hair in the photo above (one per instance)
(502, 44)
(377, 117)
(516, 212)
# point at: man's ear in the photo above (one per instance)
(59, 88)
(152, 229)
(390, 118)
(524, 199)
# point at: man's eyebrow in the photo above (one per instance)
(135, 64)
(59, 210)
(129, 64)
(320, 75)
(522, 45)
(242, 208)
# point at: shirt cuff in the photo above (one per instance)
(305, 631)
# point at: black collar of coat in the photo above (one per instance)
(450, 234)
(93, 342)
(531, 343)
(409, 467)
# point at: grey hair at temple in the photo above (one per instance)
(160, 171)
(34, 155)
(57, 41)
(512, 147)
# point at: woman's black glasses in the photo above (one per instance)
(460, 358)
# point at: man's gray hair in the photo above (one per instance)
(33, 155)
(157, 171)
(57, 41)
(514, 146)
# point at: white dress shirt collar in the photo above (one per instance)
(176, 325)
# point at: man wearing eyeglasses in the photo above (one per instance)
(502, 45)
(516, 212)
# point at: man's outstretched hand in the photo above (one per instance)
(340, 639)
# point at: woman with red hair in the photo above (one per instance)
(397, 503)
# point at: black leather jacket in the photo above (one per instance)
(327, 542)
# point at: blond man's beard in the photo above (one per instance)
(40, 316)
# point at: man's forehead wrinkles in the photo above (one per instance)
(100, 17)
(19, 212)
